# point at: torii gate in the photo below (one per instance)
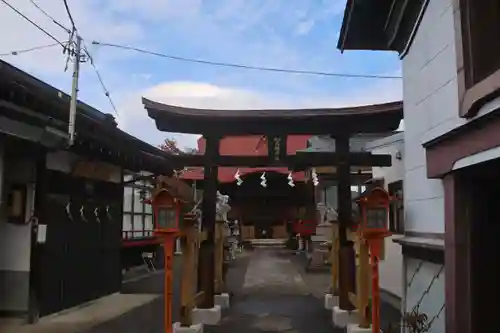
(339, 123)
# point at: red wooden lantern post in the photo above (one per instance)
(374, 206)
(167, 213)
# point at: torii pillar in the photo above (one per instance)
(207, 249)
(344, 205)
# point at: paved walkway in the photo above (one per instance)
(273, 297)
(270, 290)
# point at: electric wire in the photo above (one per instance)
(101, 81)
(242, 66)
(50, 17)
(33, 23)
(72, 33)
(73, 25)
(31, 49)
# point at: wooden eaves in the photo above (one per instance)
(25, 99)
(340, 121)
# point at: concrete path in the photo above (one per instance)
(86, 316)
(268, 271)
(273, 298)
(138, 308)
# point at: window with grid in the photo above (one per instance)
(137, 215)
(396, 209)
(481, 44)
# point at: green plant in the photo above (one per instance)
(414, 321)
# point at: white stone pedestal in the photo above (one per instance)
(198, 328)
(354, 328)
(178, 247)
(342, 318)
(331, 301)
(222, 300)
(207, 316)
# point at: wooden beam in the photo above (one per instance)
(344, 217)
(334, 158)
(355, 179)
(298, 161)
(207, 248)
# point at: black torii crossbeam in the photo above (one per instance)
(340, 123)
(299, 161)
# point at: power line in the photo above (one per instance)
(72, 32)
(50, 17)
(242, 66)
(35, 48)
(69, 15)
(103, 86)
(33, 23)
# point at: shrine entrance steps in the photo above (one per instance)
(268, 243)
(270, 295)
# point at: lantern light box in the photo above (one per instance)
(167, 218)
(376, 218)
(167, 211)
(374, 207)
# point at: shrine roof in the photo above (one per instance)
(360, 119)
(251, 145)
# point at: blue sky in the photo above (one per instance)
(300, 34)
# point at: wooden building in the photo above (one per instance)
(62, 206)
(451, 79)
(263, 212)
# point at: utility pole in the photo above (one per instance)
(74, 91)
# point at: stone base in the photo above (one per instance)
(177, 328)
(342, 318)
(354, 328)
(331, 301)
(207, 316)
(222, 300)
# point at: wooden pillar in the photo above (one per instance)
(344, 204)
(207, 249)
(219, 257)
(363, 284)
(458, 206)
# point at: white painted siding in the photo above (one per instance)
(15, 239)
(391, 268)
(431, 102)
(430, 93)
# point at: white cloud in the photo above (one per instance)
(304, 27)
(204, 95)
(143, 24)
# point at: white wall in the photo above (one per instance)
(391, 268)
(431, 102)
(15, 240)
(390, 145)
(430, 94)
